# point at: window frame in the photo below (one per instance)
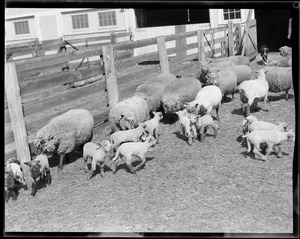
(21, 34)
(79, 23)
(106, 19)
(234, 20)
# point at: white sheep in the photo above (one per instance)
(202, 123)
(247, 121)
(262, 125)
(97, 154)
(253, 90)
(18, 174)
(10, 186)
(272, 138)
(188, 126)
(285, 51)
(152, 125)
(179, 92)
(279, 79)
(226, 80)
(40, 170)
(65, 133)
(130, 135)
(127, 150)
(207, 99)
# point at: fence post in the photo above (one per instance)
(12, 90)
(201, 48)
(239, 35)
(230, 38)
(110, 76)
(163, 55)
(87, 59)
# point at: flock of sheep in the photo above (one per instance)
(134, 131)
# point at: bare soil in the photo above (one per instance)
(211, 186)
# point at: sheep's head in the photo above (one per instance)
(35, 168)
(158, 114)
(106, 145)
(291, 135)
(171, 105)
(283, 126)
(285, 51)
(213, 78)
(12, 160)
(202, 110)
(127, 122)
(151, 140)
(191, 107)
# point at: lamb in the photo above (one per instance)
(136, 109)
(152, 125)
(64, 133)
(279, 79)
(262, 125)
(98, 154)
(246, 122)
(238, 60)
(202, 123)
(40, 170)
(226, 80)
(131, 135)
(272, 138)
(179, 92)
(188, 126)
(207, 99)
(127, 150)
(253, 90)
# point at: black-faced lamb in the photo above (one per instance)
(252, 91)
(127, 150)
(226, 80)
(40, 171)
(152, 125)
(98, 154)
(272, 138)
(188, 126)
(136, 109)
(207, 99)
(64, 133)
(279, 79)
(130, 135)
(202, 124)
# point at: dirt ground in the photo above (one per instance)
(211, 186)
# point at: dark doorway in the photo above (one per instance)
(168, 17)
(272, 28)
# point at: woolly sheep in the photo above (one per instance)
(179, 92)
(285, 51)
(98, 154)
(253, 90)
(207, 99)
(279, 79)
(238, 60)
(281, 62)
(136, 109)
(127, 150)
(18, 174)
(226, 80)
(128, 113)
(187, 125)
(206, 68)
(11, 189)
(152, 125)
(64, 133)
(272, 138)
(262, 125)
(130, 135)
(202, 123)
(40, 170)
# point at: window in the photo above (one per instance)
(107, 19)
(21, 27)
(230, 14)
(80, 21)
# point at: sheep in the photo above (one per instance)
(64, 133)
(247, 121)
(98, 153)
(285, 51)
(202, 123)
(281, 62)
(136, 109)
(253, 90)
(262, 125)
(179, 92)
(279, 79)
(207, 99)
(40, 170)
(206, 68)
(272, 138)
(127, 150)
(152, 125)
(187, 125)
(131, 135)
(226, 80)
(238, 60)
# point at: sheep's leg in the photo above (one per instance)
(269, 150)
(156, 135)
(287, 94)
(256, 150)
(277, 150)
(265, 102)
(114, 166)
(48, 177)
(217, 112)
(129, 165)
(33, 188)
(190, 138)
(143, 159)
(61, 161)
(85, 159)
(102, 169)
(214, 126)
(201, 134)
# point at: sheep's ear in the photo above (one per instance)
(196, 105)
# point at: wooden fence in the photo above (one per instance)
(30, 83)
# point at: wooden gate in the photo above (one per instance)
(251, 40)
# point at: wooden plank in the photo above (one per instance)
(230, 38)
(15, 110)
(163, 55)
(110, 76)
(201, 48)
(242, 45)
